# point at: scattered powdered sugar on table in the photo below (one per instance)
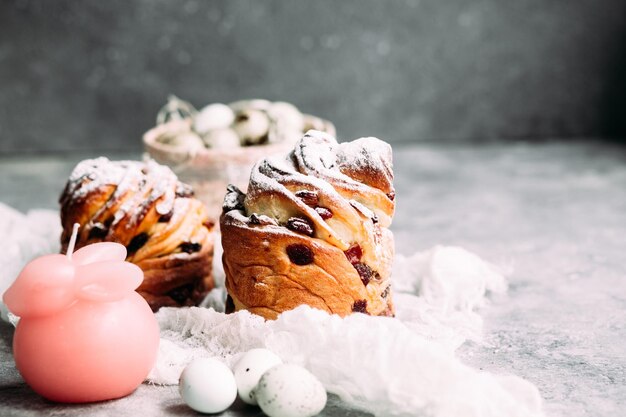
(391, 367)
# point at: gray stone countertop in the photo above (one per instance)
(554, 214)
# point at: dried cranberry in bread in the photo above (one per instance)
(313, 229)
(143, 206)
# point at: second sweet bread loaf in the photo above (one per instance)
(313, 229)
(166, 231)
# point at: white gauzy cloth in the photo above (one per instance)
(24, 237)
(391, 367)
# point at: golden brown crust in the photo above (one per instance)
(311, 234)
(262, 279)
(143, 206)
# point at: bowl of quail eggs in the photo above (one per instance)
(218, 144)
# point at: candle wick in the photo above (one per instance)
(70, 247)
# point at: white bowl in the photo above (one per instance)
(209, 171)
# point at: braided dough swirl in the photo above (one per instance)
(313, 229)
(144, 207)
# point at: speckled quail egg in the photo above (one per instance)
(183, 140)
(249, 369)
(207, 386)
(175, 109)
(281, 133)
(221, 139)
(214, 116)
(290, 391)
(286, 115)
(252, 126)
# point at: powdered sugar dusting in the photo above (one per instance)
(318, 155)
(129, 178)
(91, 174)
(367, 155)
(319, 161)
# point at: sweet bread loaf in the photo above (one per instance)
(143, 206)
(313, 229)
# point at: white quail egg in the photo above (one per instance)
(207, 386)
(214, 116)
(249, 369)
(252, 126)
(221, 139)
(290, 391)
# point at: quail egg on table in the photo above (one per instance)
(249, 369)
(288, 390)
(207, 386)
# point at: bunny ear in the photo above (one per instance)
(107, 281)
(98, 252)
(45, 286)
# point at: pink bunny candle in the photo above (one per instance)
(84, 334)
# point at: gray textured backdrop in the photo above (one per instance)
(92, 74)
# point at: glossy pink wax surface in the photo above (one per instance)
(84, 334)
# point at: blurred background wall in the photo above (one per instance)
(78, 75)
